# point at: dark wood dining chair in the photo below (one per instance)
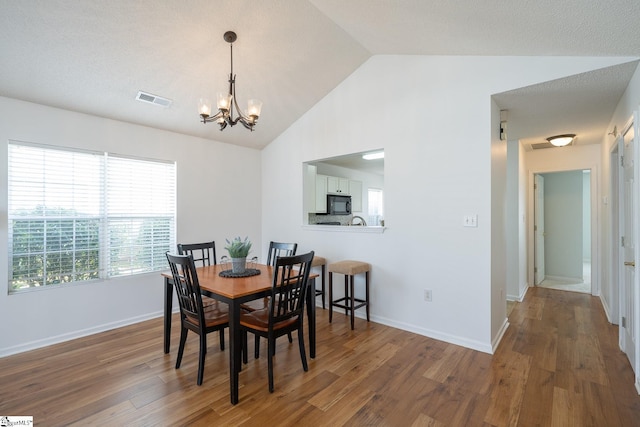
(285, 311)
(276, 249)
(204, 254)
(193, 315)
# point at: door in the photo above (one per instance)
(627, 243)
(538, 227)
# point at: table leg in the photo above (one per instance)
(311, 314)
(235, 348)
(168, 306)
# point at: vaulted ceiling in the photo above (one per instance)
(93, 56)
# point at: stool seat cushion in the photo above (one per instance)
(318, 261)
(349, 267)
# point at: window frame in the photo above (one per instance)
(166, 197)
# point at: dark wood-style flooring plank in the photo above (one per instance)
(558, 365)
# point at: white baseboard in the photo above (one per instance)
(565, 279)
(519, 298)
(499, 335)
(33, 345)
(451, 339)
(605, 306)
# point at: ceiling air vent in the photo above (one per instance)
(153, 99)
(541, 145)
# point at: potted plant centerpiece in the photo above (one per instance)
(238, 250)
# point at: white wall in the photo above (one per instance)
(499, 231)
(629, 103)
(516, 219)
(438, 126)
(207, 208)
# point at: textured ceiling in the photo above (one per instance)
(93, 56)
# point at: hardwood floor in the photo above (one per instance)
(558, 365)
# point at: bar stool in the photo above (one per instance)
(349, 269)
(318, 261)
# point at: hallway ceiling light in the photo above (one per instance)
(227, 102)
(561, 140)
(373, 156)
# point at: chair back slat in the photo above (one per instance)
(288, 292)
(185, 281)
(203, 253)
(279, 249)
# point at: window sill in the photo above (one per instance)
(345, 228)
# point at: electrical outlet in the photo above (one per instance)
(427, 295)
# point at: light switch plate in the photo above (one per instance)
(470, 221)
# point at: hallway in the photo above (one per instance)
(575, 373)
(571, 285)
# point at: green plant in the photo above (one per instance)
(238, 248)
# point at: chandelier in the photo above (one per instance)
(227, 101)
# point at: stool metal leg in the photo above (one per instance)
(367, 292)
(330, 296)
(346, 294)
(353, 303)
(323, 307)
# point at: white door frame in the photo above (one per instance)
(538, 229)
(595, 220)
(612, 306)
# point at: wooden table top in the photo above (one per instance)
(234, 287)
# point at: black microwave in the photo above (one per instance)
(338, 205)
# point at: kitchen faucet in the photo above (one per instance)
(362, 221)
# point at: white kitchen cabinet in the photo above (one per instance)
(355, 190)
(337, 185)
(321, 194)
(310, 172)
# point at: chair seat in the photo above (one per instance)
(349, 267)
(207, 301)
(259, 320)
(256, 304)
(215, 314)
(318, 261)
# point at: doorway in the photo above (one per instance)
(562, 230)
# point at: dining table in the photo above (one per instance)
(235, 291)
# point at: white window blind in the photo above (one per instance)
(140, 211)
(79, 216)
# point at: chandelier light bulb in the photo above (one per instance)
(224, 101)
(254, 108)
(204, 107)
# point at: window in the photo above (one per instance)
(78, 216)
(375, 211)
